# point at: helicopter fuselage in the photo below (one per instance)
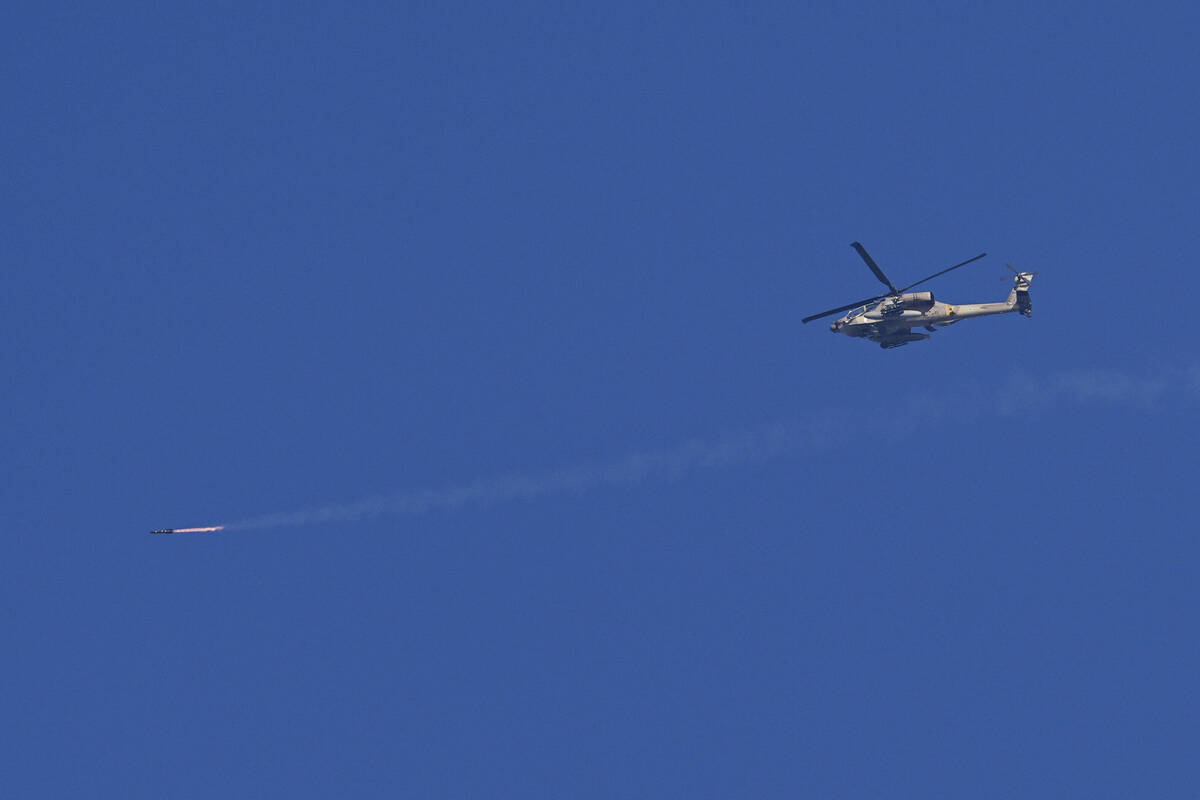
(890, 322)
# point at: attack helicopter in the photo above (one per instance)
(889, 318)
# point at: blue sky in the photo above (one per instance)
(498, 309)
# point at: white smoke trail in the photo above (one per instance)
(1019, 394)
(665, 464)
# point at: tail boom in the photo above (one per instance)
(1018, 300)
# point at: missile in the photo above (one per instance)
(190, 530)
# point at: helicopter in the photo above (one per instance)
(889, 318)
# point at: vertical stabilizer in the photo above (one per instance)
(1019, 298)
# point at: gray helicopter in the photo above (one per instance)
(889, 318)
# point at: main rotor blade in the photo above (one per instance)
(844, 308)
(943, 272)
(862, 251)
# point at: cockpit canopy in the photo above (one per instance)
(858, 312)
